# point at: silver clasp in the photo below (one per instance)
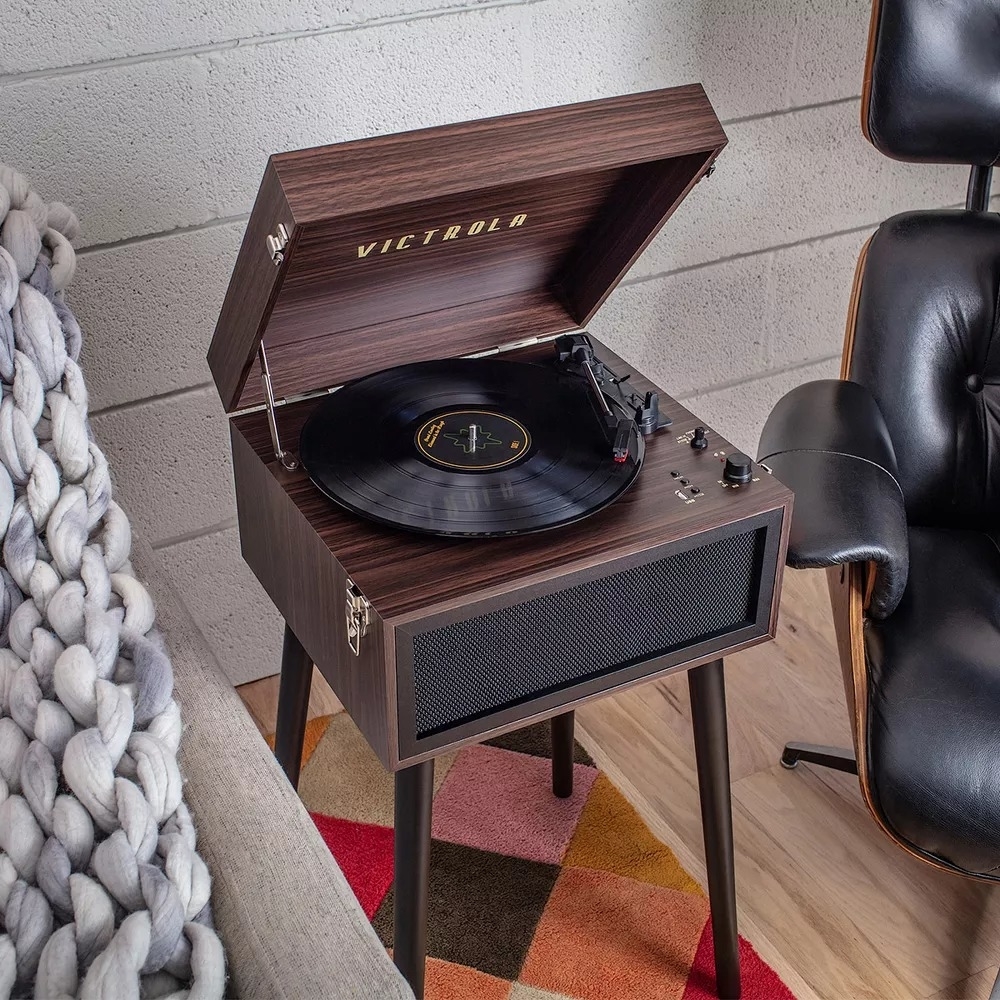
(276, 243)
(358, 617)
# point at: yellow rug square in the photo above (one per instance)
(612, 837)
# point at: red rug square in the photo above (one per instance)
(501, 801)
(759, 980)
(364, 853)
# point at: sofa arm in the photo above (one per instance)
(828, 442)
(290, 923)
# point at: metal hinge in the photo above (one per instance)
(287, 459)
(358, 617)
(513, 346)
(276, 243)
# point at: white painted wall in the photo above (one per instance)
(154, 121)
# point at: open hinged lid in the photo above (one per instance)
(451, 240)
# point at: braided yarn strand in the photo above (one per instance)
(102, 891)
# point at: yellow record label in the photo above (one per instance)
(472, 440)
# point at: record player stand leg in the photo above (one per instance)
(562, 755)
(293, 705)
(412, 850)
(711, 746)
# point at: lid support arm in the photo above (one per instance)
(286, 458)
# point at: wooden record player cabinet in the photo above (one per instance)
(459, 240)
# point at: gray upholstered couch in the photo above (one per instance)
(291, 925)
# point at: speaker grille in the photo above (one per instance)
(481, 665)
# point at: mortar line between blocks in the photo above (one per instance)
(232, 219)
(208, 48)
(195, 227)
(755, 377)
(192, 536)
(775, 248)
(159, 397)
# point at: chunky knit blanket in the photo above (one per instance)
(102, 891)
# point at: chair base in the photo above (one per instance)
(832, 757)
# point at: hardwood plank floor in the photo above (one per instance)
(838, 910)
(261, 700)
(976, 987)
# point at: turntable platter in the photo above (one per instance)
(466, 447)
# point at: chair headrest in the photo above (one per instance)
(932, 81)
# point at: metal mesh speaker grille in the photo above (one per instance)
(480, 665)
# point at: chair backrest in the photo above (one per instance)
(932, 81)
(923, 337)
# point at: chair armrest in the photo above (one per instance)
(828, 442)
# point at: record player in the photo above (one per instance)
(471, 514)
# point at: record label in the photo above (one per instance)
(472, 440)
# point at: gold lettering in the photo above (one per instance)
(449, 233)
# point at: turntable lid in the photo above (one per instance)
(451, 240)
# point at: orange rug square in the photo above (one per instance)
(604, 937)
(448, 981)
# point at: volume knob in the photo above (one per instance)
(739, 468)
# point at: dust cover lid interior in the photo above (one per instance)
(452, 240)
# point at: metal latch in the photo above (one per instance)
(276, 243)
(358, 617)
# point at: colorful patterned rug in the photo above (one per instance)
(532, 897)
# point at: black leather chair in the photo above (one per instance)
(896, 467)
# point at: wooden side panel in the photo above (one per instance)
(852, 311)
(786, 527)
(307, 584)
(846, 587)
(252, 292)
(866, 86)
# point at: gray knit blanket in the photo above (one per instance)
(102, 891)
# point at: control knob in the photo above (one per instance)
(739, 468)
(699, 440)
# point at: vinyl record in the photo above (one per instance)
(475, 447)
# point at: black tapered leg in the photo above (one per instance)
(813, 753)
(562, 755)
(414, 793)
(711, 744)
(293, 705)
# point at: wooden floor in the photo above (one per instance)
(840, 912)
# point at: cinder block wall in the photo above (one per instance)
(154, 121)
